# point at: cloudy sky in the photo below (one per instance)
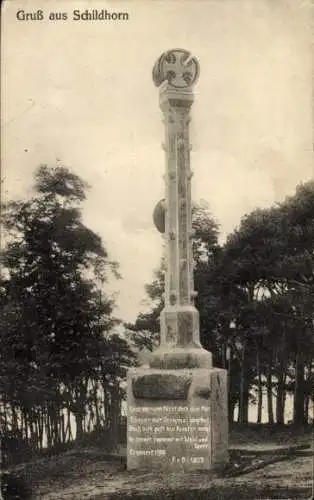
(82, 92)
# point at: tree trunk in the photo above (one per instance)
(106, 402)
(270, 396)
(48, 430)
(15, 424)
(308, 391)
(79, 425)
(233, 392)
(115, 417)
(298, 403)
(4, 412)
(63, 437)
(245, 409)
(280, 399)
(40, 429)
(306, 408)
(259, 388)
(96, 402)
(224, 361)
(281, 392)
(53, 423)
(26, 428)
(33, 435)
(231, 403)
(244, 391)
(56, 423)
(68, 429)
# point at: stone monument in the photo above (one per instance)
(177, 406)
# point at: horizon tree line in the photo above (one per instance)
(61, 355)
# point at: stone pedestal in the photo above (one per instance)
(180, 346)
(177, 419)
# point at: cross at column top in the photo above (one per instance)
(177, 67)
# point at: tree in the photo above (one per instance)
(54, 319)
(250, 255)
(270, 256)
(255, 298)
(298, 268)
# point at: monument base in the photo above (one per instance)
(177, 419)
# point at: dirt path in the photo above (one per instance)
(100, 479)
(264, 464)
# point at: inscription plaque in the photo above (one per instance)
(172, 433)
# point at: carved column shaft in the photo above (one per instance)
(174, 73)
(179, 275)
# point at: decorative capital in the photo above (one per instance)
(177, 67)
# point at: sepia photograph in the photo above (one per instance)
(157, 250)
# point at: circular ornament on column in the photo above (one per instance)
(159, 215)
(178, 67)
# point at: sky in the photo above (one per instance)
(81, 93)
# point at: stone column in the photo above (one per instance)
(175, 73)
(177, 406)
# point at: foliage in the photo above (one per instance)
(56, 319)
(255, 298)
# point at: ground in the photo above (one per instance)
(265, 463)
